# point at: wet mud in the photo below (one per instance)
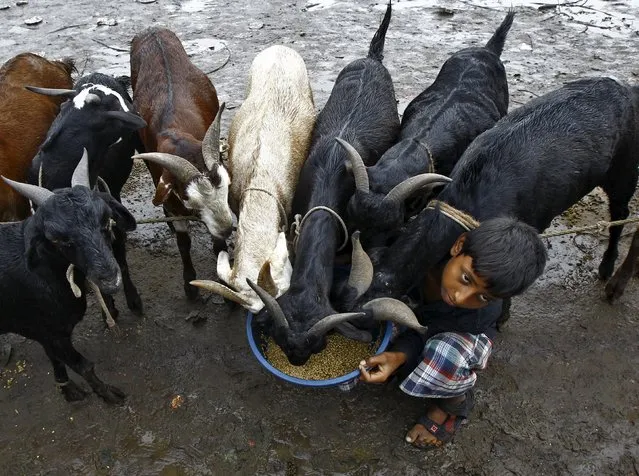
(561, 392)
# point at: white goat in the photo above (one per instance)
(268, 143)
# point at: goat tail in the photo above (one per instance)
(376, 50)
(496, 42)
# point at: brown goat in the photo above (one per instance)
(25, 118)
(179, 104)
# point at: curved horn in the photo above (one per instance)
(389, 309)
(92, 99)
(222, 290)
(211, 141)
(405, 189)
(183, 170)
(324, 325)
(100, 183)
(271, 304)
(81, 173)
(358, 166)
(69, 93)
(361, 275)
(38, 195)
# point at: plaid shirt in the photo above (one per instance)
(448, 363)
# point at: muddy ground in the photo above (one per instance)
(561, 393)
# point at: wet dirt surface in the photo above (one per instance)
(561, 393)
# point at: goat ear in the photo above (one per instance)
(33, 242)
(265, 280)
(162, 192)
(123, 218)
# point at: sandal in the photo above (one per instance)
(444, 432)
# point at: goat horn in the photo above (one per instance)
(389, 309)
(222, 290)
(100, 183)
(69, 93)
(81, 173)
(38, 195)
(271, 305)
(361, 275)
(405, 189)
(324, 325)
(183, 170)
(211, 141)
(358, 166)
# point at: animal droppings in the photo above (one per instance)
(341, 356)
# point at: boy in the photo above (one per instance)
(462, 296)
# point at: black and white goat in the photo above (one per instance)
(532, 165)
(71, 227)
(469, 95)
(98, 118)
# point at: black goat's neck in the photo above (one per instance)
(422, 245)
(315, 256)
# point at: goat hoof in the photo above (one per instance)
(72, 392)
(112, 394)
(135, 305)
(605, 270)
(614, 290)
(192, 292)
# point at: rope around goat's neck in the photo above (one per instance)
(284, 220)
(466, 221)
(431, 160)
(298, 224)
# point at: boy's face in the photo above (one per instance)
(461, 286)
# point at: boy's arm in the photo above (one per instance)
(410, 343)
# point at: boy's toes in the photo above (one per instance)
(420, 437)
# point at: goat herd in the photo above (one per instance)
(353, 171)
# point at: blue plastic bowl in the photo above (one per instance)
(256, 342)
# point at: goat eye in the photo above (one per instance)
(61, 242)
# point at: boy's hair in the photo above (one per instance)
(507, 253)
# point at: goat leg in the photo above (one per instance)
(617, 284)
(72, 391)
(63, 350)
(133, 300)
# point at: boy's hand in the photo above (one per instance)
(381, 366)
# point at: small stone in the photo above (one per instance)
(107, 22)
(177, 402)
(21, 3)
(256, 25)
(33, 21)
(5, 7)
(146, 1)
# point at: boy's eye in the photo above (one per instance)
(483, 298)
(465, 278)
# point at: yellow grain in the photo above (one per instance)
(341, 356)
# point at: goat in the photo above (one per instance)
(532, 165)
(70, 228)
(268, 144)
(617, 284)
(180, 103)
(99, 118)
(362, 110)
(469, 95)
(23, 111)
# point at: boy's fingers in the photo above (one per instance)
(374, 360)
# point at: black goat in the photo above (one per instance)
(469, 95)
(361, 110)
(71, 227)
(532, 165)
(98, 117)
